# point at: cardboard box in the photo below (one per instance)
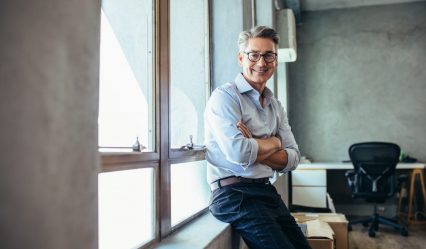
(337, 222)
(321, 243)
(319, 234)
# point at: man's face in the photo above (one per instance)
(257, 73)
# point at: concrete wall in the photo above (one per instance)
(360, 75)
(312, 5)
(49, 53)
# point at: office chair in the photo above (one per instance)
(374, 179)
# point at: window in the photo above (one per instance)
(126, 208)
(188, 178)
(189, 86)
(189, 74)
(154, 84)
(127, 198)
(125, 99)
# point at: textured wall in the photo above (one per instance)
(49, 52)
(311, 5)
(360, 75)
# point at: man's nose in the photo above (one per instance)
(261, 61)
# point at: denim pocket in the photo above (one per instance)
(226, 204)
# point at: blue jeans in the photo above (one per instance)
(257, 212)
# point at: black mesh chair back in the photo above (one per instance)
(374, 165)
(374, 179)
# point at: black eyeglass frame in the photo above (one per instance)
(261, 55)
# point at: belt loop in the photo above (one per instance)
(218, 183)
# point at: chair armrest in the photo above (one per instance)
(350, 176)
(350, 173)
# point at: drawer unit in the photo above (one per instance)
(309, 178)
(310, 196)
(309, 188)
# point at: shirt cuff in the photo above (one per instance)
(292, 161)
(253, 152)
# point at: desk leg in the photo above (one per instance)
(402, 194)
(410, 215)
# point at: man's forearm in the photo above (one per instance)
(277, 161)
(267, 147)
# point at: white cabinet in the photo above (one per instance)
(309, 188)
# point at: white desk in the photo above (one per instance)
(309, 181)
(310, 166)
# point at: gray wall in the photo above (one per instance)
(360, 75)
(49, 59)
(309, 5)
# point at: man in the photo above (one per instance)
(248, 138)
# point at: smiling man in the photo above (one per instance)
(248, 139)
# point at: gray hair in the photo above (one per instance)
(257, 32)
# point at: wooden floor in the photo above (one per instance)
(387, 238)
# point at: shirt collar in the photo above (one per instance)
(242, 84)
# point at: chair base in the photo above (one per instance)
(373, 224)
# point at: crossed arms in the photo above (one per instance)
(270, 150)
(232, 141)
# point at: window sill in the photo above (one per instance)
(204, 232)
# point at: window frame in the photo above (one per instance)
(162, 156)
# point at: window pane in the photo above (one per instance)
(125, 99)
(126, 208)
(190, 192)
(282, 84)
(188, 70)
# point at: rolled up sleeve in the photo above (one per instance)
(293, 160)
(288, 141)
(221, 116)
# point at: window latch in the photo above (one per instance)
(137, 146)
(192, 146)
(191, 143)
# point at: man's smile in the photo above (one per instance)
(260, 70)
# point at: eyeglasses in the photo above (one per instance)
(255, 56)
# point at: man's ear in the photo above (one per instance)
(240, 58)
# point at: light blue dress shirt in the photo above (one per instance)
(228, 151)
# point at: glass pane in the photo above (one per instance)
(188, 185)
(282, 84)
(125, 89)
(126, 208)
(188, 70)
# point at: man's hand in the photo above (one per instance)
(277, 161)
(244, 129)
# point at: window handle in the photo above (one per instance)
(138, 146)
(192, 146)
(191, 143)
